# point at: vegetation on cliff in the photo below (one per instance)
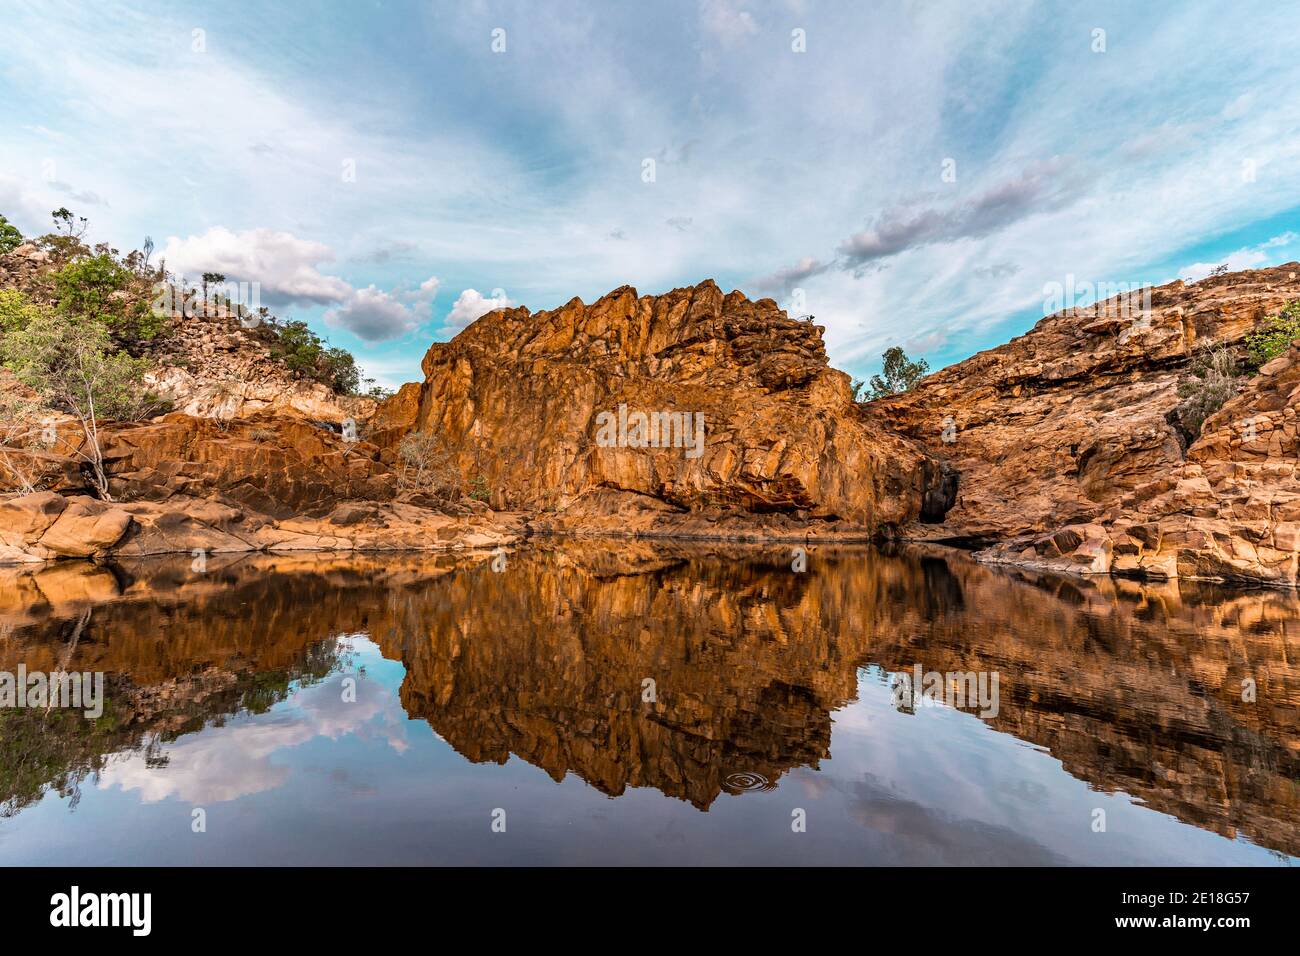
(1275, 335)
(899, 374)
(138, 303)
(1214, 377)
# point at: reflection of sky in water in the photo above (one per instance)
(320, 780)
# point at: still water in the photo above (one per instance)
(615, 702)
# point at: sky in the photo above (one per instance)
(914, 172)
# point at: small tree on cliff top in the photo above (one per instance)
(898, 375)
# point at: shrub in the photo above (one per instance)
(84, 286)
(1275, 335)
(16, 311)
(1214, 380)
(428, 466)
(305, 354)
(88, 288)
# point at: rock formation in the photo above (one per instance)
(542, 408)
(1071, 456)
(213, 366)
(702, 414)
(186, 484)
(254, 458)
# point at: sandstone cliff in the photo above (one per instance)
(1071, 455)
(520, 400)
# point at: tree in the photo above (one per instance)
(899, 373)
(75, 226)
(148, 250)
(16, 311)
(1214, 380)
(73, 366)
(428, 466)
(10, 237)
(215, 278)
(101, 288)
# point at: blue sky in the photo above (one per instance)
(1152, 152)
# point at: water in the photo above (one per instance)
(392, 710)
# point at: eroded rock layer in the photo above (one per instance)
(190, 485)
(1071, 454)
(520, 399)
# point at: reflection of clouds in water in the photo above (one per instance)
(226, 763)
(925, 835)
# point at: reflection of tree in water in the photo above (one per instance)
(58, 749)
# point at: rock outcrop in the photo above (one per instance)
(1071, 455)
(267, 483)
(212, 365)
(1230, 511)
(542, 409)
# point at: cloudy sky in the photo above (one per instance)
(908, 172)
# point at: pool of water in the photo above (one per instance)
(632, 702)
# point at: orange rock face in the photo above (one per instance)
(544, 410)
(1071, 456)
(187, 485)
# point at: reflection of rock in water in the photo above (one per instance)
(1133, 688)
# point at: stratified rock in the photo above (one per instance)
(1059, 424)
(520, 399)
(275, 465)
(1230, 512)
(1070, 454)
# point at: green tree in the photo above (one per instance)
(305, 354)
(100, 288)
(73, 366)
(898, 375)
(211, 278)
(85, 286)
(1274, 336)
(10, 237)
(67, 224)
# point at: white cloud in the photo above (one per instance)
(751, 142)
(285, 266)
(246, 755)
(1251, 257)
(374, 315)
(471, 305)
(22, 207)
